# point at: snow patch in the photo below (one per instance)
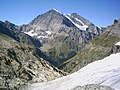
(104, 72)
(84, 27)
(99, 27)
(118, 43)
(56, 10)
(69, 14)
(80, 21)
(45, 37)
(31, 33)
(48, 32)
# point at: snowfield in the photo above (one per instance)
(104, 72)
(31, 33)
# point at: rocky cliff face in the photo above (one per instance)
(20, 65)
(62, 35)
(98, 48)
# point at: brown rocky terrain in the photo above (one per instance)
(19, 65)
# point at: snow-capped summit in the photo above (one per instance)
(72, 20)
(55, 20)
(55, 29)
(56, 10)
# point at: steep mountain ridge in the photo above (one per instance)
(61, 35)
(11, 30)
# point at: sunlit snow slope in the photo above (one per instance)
(104, 72)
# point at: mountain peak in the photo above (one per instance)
(55, 10)
(9, 23)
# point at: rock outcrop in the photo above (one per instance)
(93, 87)
(116, 48)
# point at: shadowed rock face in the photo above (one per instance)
(19, 65)
(61, 35)
(92, 87)
(11, 30)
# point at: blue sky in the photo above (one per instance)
(100, 12)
